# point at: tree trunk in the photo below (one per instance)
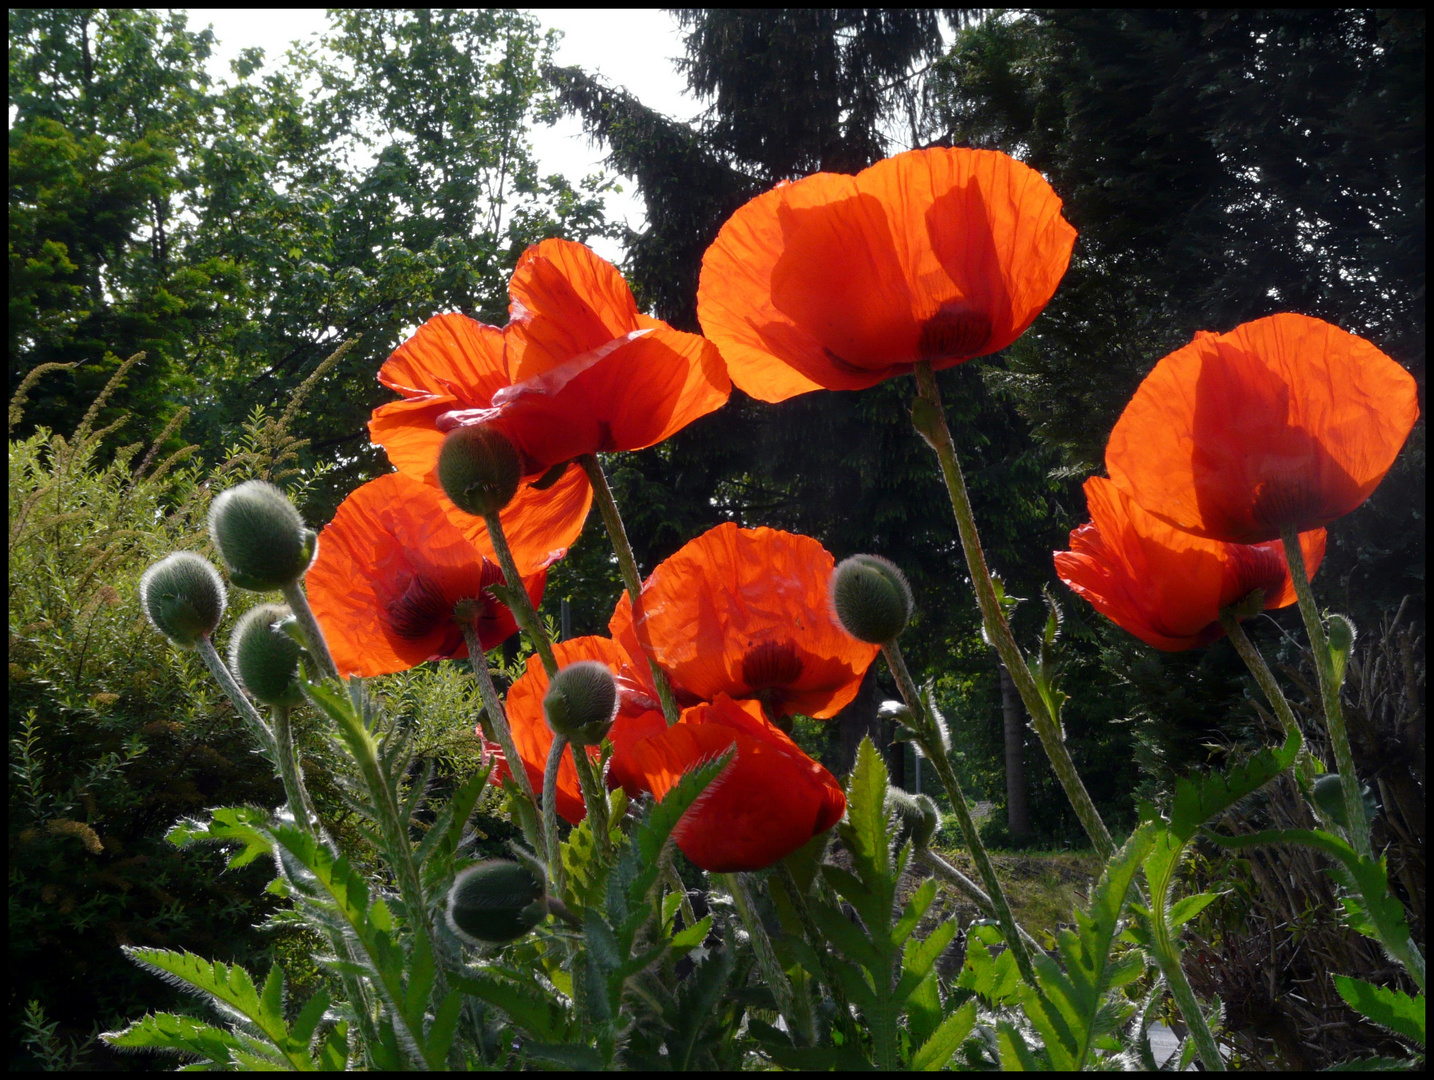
(1018, 818)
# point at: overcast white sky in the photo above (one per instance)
(632, 48)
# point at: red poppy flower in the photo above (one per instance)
(842, 281)
(578, 369)
(1165, 586)
(638, 717)
(1286, 420)
(745, 612)
(767, 803)
(390, 572)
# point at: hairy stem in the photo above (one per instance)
(498, 717)
(930, 423)
(550, 813)
(290, 772)
(522, 607)
(952, 876)
(231, 689)
(594, 797)
(1329, 692)
(1267, 683)
(627, 563)
(935, 749)
(777, 980)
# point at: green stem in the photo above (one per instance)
(777, 980)
(594, 798)
(550, 813)
(930, 423)
(952, 876)
(935, 750)
(498, 717)
(290, 772)
(522, 607)
(313, 635)
(1304, 762)
(632, 580)
(1167, 955)
(227, 683)
(1329, 692)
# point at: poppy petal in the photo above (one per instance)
(449, 355)
(1165, 586)
(769, 801)
(1286, 420)
(408, 432)
(746, 612)
(389, 571)
(841, 282)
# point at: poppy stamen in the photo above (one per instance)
(771, 665)
(419, 609)
(956, 331)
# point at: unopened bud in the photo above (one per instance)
(582, 702)
(1328, 795)
(479, 469)
(871, 598)
(261, 537)
(183, 596)
(497, 900)
(264, 658)
(916, 816)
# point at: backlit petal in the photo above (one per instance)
(1286, 420)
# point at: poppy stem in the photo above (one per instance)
(227, 683)
(290, 772)
(1266, 680)
(313, 635)
(594, 797)
(929, 419)
(498, 717)
(1329, 692)
(627, 563)
(521, 605)
(952, 876)
(777, 980)
(935, 749)
(550, 812)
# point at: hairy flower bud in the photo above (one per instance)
(1328, 795)
(183, 596)
(264, 658)
(916, 816)
(261, 537)
(871, 598)
(496, 900)
(479, 469)
(582, 702)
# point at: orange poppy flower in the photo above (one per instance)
(745, 612)
(768, 802)
(390, 571)
(842, 281)
(578, 369)
(638, 716)
(1165, 586)
(1286, 420)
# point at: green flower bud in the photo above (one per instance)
(1328, 795)
(183, 596)
(479, 469)
(264, 658)
(916, 816)
(1341, 641)
(871, 598)
(582, 702)
(261, 537)
(497, 900)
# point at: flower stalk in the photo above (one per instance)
(517, 596)
(225, 678)
(930, 421)
(1329, 692)
(935, 749)
(627, 563)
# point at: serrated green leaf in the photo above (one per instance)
(1386, 1006)
(864, 831)
(1016, 1056)
(177, 1034)
(576, 1056)
(527, 1005)
(1182, 911)
(936, 1052)
(688, 938)
(443, 1028)
(1198, 800)
(244, 825)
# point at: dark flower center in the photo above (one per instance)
(955, 330)
(771, 664)
(1282, 500)
(1259, 566)
(419, 610)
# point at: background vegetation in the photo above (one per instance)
(1219, 166)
